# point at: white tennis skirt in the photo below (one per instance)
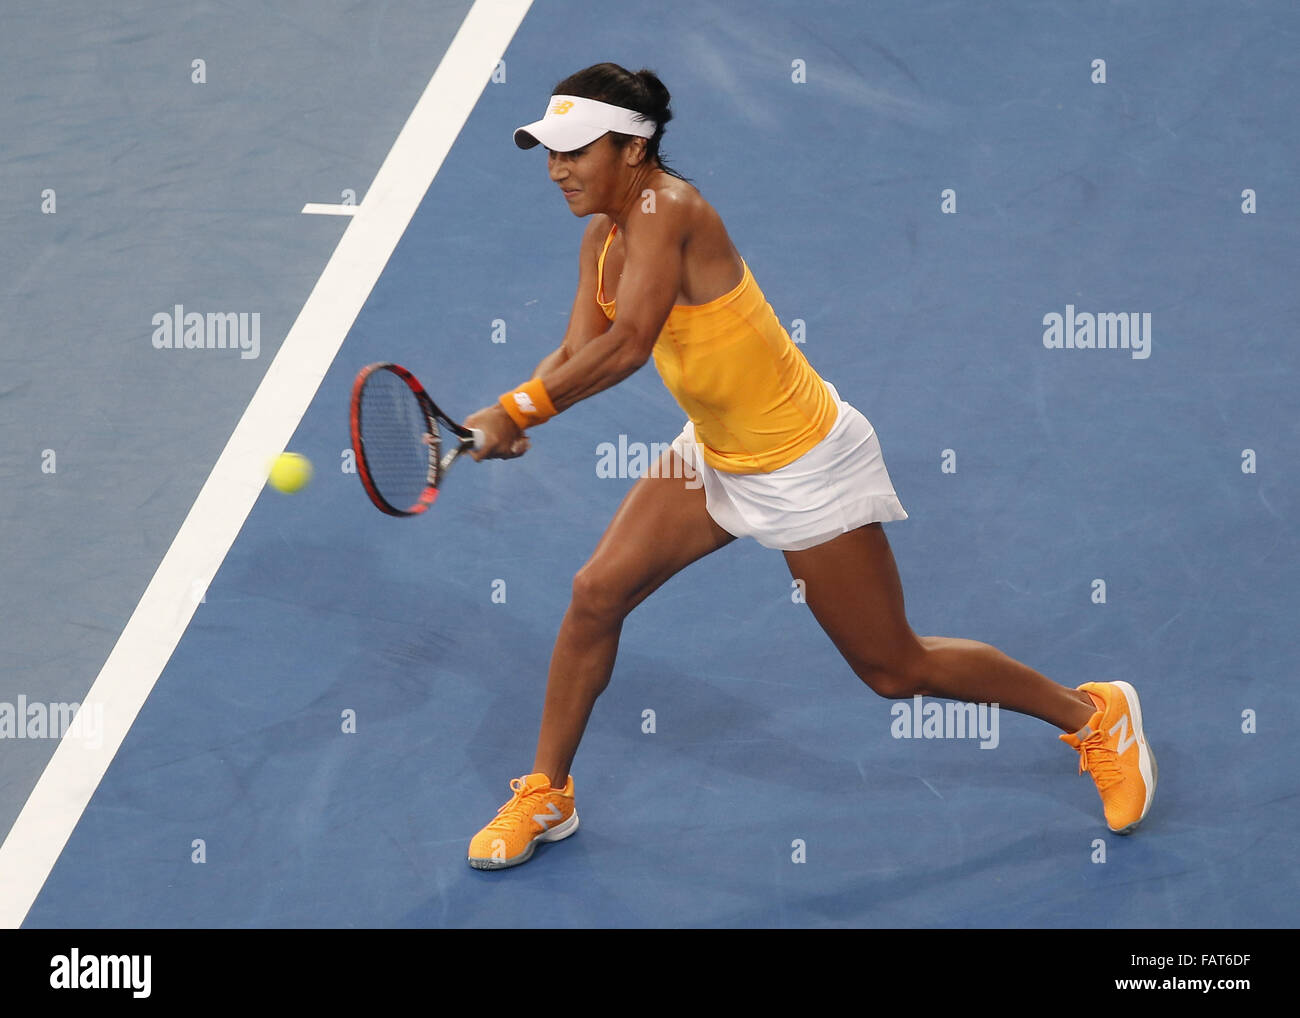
(838, 485)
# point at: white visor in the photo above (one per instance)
(572, 122)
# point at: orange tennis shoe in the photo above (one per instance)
(536, 812)
(1113, 749)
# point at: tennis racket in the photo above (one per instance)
(398, 438)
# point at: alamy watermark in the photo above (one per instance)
(77, 971)
(179, 329)
(1106, 330)
(637, 459)
(916, 719)
(36, 720)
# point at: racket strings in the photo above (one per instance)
(393, 434)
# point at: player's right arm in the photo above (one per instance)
(586, 320)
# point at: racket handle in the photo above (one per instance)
(478, 438)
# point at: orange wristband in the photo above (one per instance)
(529, 404)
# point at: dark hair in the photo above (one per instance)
(640, 91)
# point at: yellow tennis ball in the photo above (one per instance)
(290, 472)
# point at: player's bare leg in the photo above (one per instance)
(852, 586)
(661, 527)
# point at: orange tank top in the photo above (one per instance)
(756, 402)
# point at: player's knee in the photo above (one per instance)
(886, 682)
(597, 595)
(897, 678)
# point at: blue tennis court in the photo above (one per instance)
(917, 188)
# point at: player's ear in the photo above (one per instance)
(634, 152)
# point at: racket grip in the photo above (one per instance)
(477, 437)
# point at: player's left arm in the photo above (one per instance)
(652, 278)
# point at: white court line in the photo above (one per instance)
(154, 629)
(313, 208)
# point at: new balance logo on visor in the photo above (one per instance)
(560, 106)
(525, 402)
(1127, 739)
(546, 819)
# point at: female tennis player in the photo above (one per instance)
(782, 458)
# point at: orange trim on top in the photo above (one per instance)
(605, 305)
(608, 305)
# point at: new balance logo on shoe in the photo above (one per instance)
(547, 819)
(1127, 739)
(512, 835)
(1118, 757)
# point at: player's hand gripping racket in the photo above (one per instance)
(397, 435)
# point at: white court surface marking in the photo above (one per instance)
(152, 633)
